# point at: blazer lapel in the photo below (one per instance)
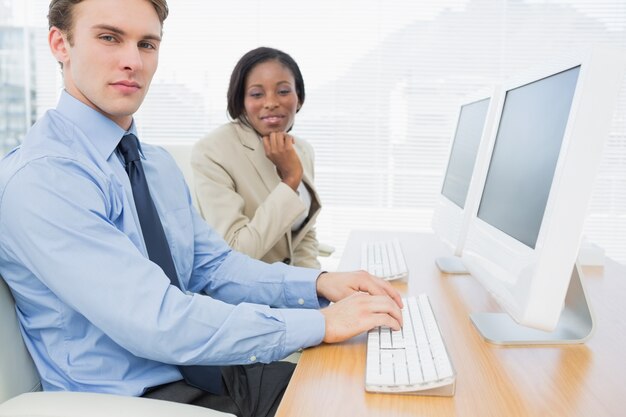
(256, 154)
(264, 167)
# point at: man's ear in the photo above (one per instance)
(59, 45)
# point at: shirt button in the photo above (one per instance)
(287, 261)
(252, 358)
(300, 301)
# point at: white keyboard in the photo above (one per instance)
(384, 259)
(413, 360)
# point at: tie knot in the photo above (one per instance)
(129, 148)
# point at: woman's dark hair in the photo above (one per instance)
(237, 86)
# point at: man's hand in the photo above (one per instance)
(336, 286)
(358, 313)
(280, 150)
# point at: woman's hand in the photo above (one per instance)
(280, 150)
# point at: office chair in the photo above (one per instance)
(20, 385)
(325, 249)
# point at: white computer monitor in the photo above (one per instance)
(457, 199)
(523, 241)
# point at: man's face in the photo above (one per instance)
(113, 57)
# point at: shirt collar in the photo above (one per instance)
(103, 133)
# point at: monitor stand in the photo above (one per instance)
(575, 324)
(451, 265)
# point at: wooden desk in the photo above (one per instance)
(575, 380)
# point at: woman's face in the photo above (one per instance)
(270, 98)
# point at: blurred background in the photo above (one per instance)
(384, 80)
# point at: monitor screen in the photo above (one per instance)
(525, 155)
(464, 149)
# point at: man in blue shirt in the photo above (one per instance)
(97, 314)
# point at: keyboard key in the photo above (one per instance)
(397, 340)
(399, 366)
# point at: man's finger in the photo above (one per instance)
(381, 304)
(382, 319)
(378, 286)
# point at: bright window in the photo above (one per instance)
(383, 83)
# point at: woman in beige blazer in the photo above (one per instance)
(253, 180)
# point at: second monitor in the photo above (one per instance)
(458, 197)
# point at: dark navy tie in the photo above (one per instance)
(207, 378)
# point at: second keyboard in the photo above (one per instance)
(384, 259)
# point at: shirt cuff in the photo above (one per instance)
(301, 287)
(304, 328)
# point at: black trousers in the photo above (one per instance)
(251, 390)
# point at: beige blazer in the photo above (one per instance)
(240, 194)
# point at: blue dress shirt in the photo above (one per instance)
(96, 314)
